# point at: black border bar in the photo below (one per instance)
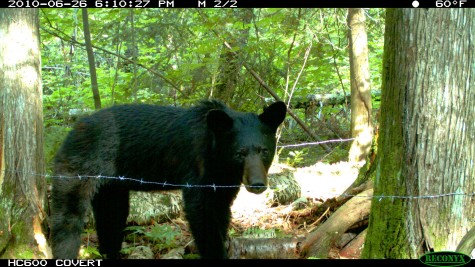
(236, 3)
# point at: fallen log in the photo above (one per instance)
(320, 100)
(353, 249)
(467, 244)
(319, 242)
(265, 248)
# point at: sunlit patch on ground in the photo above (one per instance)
(320, 181)
(324, 180)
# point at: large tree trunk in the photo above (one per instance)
(22, 190)
(361, 126)
(427, 142)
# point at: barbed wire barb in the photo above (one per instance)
(215, 187)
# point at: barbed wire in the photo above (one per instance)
(317, 143)
(215, 187)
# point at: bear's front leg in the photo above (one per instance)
(208, 213)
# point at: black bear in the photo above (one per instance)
(209, 149)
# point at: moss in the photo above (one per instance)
(387, 234)
(16, 240)
(22, 252)
(5, 211)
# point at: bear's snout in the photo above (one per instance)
(256, 188)
(255, 174)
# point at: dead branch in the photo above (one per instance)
(271, 92)
(353, 249)
(331, 203)
(354, 190)
(319, 242)
(467, 244)
(291, 113)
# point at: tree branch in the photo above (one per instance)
(67, 38)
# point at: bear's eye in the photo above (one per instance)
(241, 153)
(264, 151)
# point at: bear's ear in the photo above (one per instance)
(274, 115)
(219, 121)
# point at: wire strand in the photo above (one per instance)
(215, 186)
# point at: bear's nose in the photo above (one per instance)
(256, 188)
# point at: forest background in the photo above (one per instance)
(105, 57)
(417, 145)
(177, 57)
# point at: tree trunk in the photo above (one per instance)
(361, 126)
(134, 52)
(427, 142)
(22, 191)
(230, 64)
(90, 58)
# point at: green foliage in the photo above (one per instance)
(136, 229)
(26, 253)
(163, 236)
(127, 250)
(296, 157)
(174, 57)
(338, 154)
(53, 137)
(89, 251)
(191, 256)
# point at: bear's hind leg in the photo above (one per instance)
(111, 208)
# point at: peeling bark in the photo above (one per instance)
(22, 193)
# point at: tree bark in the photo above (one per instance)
(90, 58)
(230, 62)
(22, 190)
(425, 171)
(361, 126)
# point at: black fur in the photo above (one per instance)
(203, 145)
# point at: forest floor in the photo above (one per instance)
(318, 183)
(252, 215)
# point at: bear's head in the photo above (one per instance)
(244, 144)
